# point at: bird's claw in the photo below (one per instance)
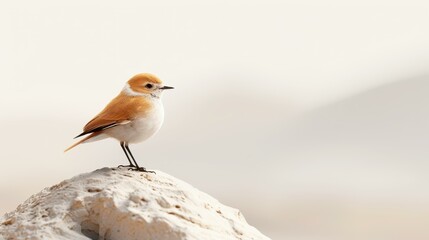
(134, 168)
(126, 166)
(142, 169)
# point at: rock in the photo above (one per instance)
(119, 204)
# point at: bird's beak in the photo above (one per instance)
(166, 87)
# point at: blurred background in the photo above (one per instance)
(309, 116)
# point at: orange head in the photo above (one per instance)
(145, 84)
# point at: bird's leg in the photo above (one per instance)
(141, 169)
(126, 154)
(134, 160)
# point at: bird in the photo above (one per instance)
(131, 117)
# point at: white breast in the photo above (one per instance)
(140, 129)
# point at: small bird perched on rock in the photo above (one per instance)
(132, 117)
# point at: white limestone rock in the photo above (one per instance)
(119, 204)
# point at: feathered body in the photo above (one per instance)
(137, 125)
(133, 116)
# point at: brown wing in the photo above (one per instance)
(121, 110)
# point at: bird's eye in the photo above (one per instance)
(149, 86)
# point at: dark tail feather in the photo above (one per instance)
(82, 140)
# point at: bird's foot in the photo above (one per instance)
(142, 169)
(126, 166)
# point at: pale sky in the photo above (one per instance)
(302, 53)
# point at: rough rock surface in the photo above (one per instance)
(119, 204)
